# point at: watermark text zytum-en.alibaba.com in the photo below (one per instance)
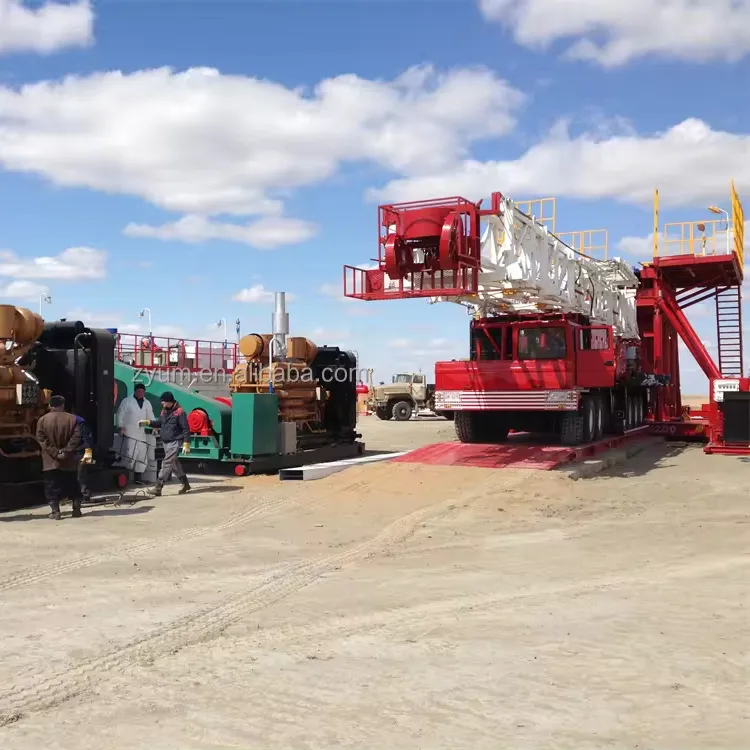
(252, 374)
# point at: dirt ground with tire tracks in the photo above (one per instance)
(389, 606)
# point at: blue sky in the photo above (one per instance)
(192, 157)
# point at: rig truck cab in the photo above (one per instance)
(544, 374)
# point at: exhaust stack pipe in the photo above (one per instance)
(279, 328)
(280, 321)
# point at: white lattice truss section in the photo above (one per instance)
(527, 269)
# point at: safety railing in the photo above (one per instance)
(594, 243)
(738, 226)
(710, 237)
(166, 353)
(544, 210)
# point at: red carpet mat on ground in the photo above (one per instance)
(519, 452)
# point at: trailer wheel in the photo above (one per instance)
(402, 411)
(571, 428)
(382, 412)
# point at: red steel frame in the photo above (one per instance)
(447, 230)
(167, 353)
(669, 285)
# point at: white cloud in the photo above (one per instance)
(623, 167)
(167, 331)
(258, 293)
(266, 233)
(637, 247)
(199, 142)
(613, 33)
(23, 290)
(96, 319)
(73, 264)
(48, 28)
(328, 336)
(400, 343)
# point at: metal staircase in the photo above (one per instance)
(729, 331)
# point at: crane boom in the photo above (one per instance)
(521, 267)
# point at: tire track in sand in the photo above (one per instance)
(402, 619)
(49, 691)
(265, 506)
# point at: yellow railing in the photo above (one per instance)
(544, 210)
(709, 237)
(738, 226)
(593, 243)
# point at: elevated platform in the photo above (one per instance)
(518, 452)
(691, 271)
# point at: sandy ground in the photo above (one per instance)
(389, 606)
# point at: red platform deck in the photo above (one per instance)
(517, 453)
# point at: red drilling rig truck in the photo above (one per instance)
(562, 341)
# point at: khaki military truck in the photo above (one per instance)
(407, 394)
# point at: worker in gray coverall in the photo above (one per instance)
(175, 434)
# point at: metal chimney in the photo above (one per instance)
(280, 321)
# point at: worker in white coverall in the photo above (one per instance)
(138, 449)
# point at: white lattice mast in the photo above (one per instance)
(525, 268)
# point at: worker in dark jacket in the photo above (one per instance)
(175, 434)
(86, 455)
(59, 436)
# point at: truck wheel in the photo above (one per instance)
(588, 415)
(469, 427)
(382, 412)
(640, 410)
(630, 415)
(600, 419)
(571, 428)
(402, 411)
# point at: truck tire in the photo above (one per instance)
(588, 416)
(402, 411)
(630, 411)
(640, 410)
(383, 412)
(571, 428)
(593, 419)
(600, 418)
(469, 427)
(480, 427)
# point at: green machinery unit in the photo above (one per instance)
(245, 437)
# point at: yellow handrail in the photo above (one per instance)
(738, 226)
(708, 237)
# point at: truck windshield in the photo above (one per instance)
(402, 378)
(542, 343)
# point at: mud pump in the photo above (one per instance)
(559, 341)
